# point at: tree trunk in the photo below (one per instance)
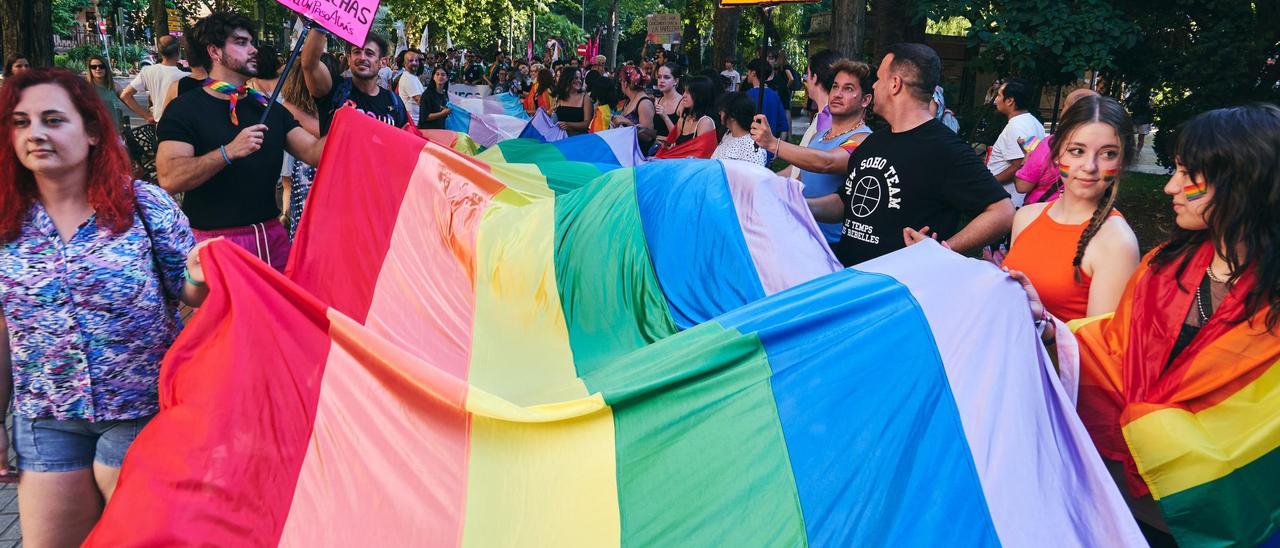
(159, 20)
(724, 36)
(893, 22)
(848, 27)
(28, 29)
(772, 38)
(613, 34)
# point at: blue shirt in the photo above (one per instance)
(88, 322)
(821, 184)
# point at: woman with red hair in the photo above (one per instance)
(91, 264)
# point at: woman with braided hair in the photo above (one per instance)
(1077, 250)
(1178, 388)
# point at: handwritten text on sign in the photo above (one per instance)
(664, 28)
(347, 19)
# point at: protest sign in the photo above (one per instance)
(347, 19)
(664, 28)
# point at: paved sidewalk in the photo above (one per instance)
(10, 533)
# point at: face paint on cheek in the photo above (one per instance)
(1064, 170)
(1194, 192)
(1109, 175)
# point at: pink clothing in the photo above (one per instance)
(1039, 169)
(266, 240)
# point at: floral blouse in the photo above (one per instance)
(88, 322)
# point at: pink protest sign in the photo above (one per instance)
(347, 19)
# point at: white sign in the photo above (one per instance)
(469, 90)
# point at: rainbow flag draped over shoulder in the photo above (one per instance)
(666, 355)
(1202, 436)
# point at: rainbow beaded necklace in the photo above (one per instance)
(234, 94)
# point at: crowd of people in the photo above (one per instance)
(95, 263)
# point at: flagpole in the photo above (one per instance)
(293, 56)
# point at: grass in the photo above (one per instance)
(1146, 207)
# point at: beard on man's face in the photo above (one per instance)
(244, 67)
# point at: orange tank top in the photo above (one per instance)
(1044, 251)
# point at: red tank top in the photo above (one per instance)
(1044, 251)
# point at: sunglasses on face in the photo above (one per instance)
(96, 67)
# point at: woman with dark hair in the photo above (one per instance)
(91, 264)
(638, 110)
(16, 64)
(1178, 387)
(540, 94)
(1078, 250)
(667, 102)
(736, 112)
(296, 183)
(605, 96)
(696, 135)
(99, 76)
(435, 100)
(571, 107)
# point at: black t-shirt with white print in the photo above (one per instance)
(925, 176)
(384, 107)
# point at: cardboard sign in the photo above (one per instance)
(664, 28)
(349, 20)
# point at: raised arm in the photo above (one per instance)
(834, 161)
(314, 73)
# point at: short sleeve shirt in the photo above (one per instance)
(409, 87)
(155, 81)
(1039, 169)
(381, 107)
(925, 176)
(243, 193)
(1007, 148)
(87, 318)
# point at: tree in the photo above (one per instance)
(159, 18)
(1198, 56)
(724, 35)
(848, 32)
(894, 21)
(28, 28)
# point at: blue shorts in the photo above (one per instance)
(52, 445)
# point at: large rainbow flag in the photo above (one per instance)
(1200, 434)
(665, 355)
(502, 103)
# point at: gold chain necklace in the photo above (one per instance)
(832, 133)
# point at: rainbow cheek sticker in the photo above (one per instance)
(1109, 175)
(1194, 192)
(1064, 170)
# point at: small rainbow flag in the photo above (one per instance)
(1064, 170)
(1031, 145)
(1194, 191)
(1109, 175)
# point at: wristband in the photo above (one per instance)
(225, 158)
(187, 274)
(777, 149)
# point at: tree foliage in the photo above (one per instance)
(1048, 41)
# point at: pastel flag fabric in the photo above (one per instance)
(485, 129)
(460, 142)
(502, 103)
(666, 355)
(613, 147)
(542, 127)
(1200, 434)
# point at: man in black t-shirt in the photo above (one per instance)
(360, 90)
(915, 181)
(213, 148)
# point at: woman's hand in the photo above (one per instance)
(563, 125)
(194, 270)
(1038, 311)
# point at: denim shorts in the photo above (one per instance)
(52, 445)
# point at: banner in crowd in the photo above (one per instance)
(468, 90)
(663, 355)
(663, 28)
